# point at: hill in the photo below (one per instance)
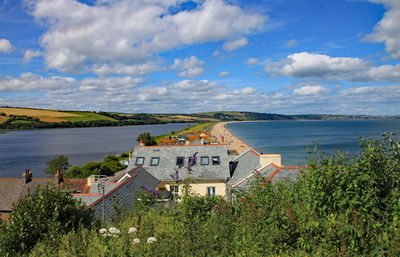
(28, 118)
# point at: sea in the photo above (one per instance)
(292, 139)
(31, 149)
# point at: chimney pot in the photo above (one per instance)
(142, 142)
(27, 175)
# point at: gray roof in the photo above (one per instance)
(168, 157)
(244, 165)
(12, 189)
(124, 193)
(272, 173)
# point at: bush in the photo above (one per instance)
(57, 163)
(44, 215)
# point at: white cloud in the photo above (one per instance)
(223, 73)
(129, 31)
(252, 61)
(235, 44)
(29, 54)
(387, 30)
(308, 65)
(5, 46)
(190, 67)
(140, 69)
(310, 90)
(129, 94)
(291, 43)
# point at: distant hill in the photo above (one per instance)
(29, 118)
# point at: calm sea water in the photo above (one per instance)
(31, 149)
(290, 138)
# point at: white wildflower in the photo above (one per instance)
(115, 235)
(136, 240)
(151, 240)
(132, 230)
(103, 231)
(114, 230)
(109, 235)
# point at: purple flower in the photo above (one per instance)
(150, 191)
(192, 161)
(176, 176)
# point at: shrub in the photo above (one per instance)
(44, 215)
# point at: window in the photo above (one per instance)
(180, 161)
(174, 191)
(204, 160)
(190, 159)
(215, 160)
(154, 161)
(210, 191)
(139, 161)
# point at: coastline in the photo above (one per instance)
(234, 143)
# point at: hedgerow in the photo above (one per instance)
(342, 205)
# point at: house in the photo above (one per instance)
(213, 171)
(12, 189)
(172, 165)
(250, 163)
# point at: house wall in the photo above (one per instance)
(4, 216)
(267, 159)
(200, 188)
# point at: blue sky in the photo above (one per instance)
(163, 56)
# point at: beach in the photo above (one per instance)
(220, 132)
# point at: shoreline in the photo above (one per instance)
(234, 143)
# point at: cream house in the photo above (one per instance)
(207, 174)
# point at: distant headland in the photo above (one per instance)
(12, 118)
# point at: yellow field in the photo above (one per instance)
(36, 113)
(3, 119)
(43, 115)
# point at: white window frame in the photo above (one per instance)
(174, 189)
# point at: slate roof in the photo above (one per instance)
(12, 189)
(243, 165)
(168, 156)
(125, 192)
(273, 173)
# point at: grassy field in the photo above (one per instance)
(43, 115)
(85, 116)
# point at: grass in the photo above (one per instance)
(85, 116)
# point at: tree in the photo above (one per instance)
(148, 139)
(44, 215)
(57, 163)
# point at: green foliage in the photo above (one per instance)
(107, 167)
(148, 139)
(44, 215)
(57, 163)
(340, 206)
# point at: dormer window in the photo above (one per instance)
(215, 160)
(139, 161)
(204, 160)
(180, 161)
(154, 161)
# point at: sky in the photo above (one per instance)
(177, 56)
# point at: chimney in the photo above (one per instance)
(142, 142)
(222, 140)
(27, 175)
(59, 177)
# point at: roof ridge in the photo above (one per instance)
(240, 155)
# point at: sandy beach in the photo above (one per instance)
(220, 131)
